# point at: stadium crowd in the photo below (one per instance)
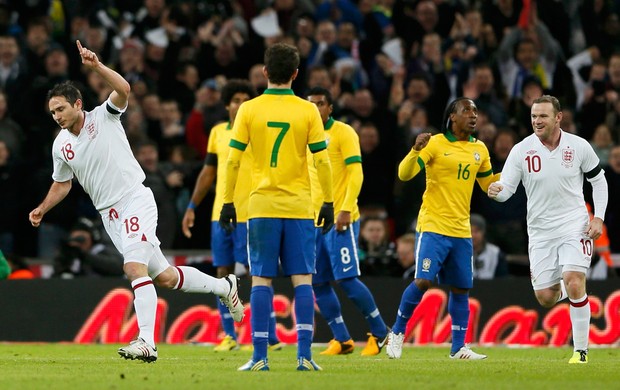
(391, 66)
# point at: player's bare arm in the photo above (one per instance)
(120, 86)
(57, 192)
(205, 179)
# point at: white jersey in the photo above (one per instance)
(100, 157)
(553, 182)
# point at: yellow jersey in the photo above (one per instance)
(451, 168)
(280, 127)
(219, 140)
(343, 148)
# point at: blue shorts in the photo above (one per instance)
(336, 254)
(229, 248)
(291, 241)
(450, 259)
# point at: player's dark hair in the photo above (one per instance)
(66, 89)
(550, 99)
(281, 61)
(446, 124)
(234, 86)
(320, 91)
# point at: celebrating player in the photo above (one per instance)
(93, 147)
(280, 128)
(453, 161)
(551, 164)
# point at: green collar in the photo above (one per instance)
(330, 122)
(278, 91)
(452, 138)
(228, 126)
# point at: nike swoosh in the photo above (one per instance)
(345, 269)
(447, 154)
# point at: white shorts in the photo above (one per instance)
(132, 221)
(550, 258)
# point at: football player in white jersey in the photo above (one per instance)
(93, 147)
(551, 164)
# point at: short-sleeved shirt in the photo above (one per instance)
(100, 157)
(553, 182)
(452, 167)
(219, 140)
(280, 128)
(343, 147)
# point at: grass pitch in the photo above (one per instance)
(180, 367)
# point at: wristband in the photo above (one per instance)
(191, 205)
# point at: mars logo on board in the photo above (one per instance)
(113, 321)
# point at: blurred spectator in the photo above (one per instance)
(581, 65)
(528, 50)
(339, 11)
(483, 90)
(12, 184)
(489, 260)
(597, 99)
(434, 98)
(379, 166)
(377, 253)
(487, 134)
(612, 215)
(19, 267)
(602, 143)
(13, 70)
(501, 15)
(602, 265)
(257, 78)
(208, 111)
(183, 88)
(405, 249)
(10, 131)
(164, 187)
(83, 253)
(520, 107)
(37, 42)
(568, 121)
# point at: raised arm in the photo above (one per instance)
(58, 191)
(120, 86)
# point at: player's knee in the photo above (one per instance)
(546, 298)
(134, 270)
(167, 279)
(137, 259)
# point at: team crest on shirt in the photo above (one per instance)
(477, 156)
(91, 130)
(426, 264)
(568, 155)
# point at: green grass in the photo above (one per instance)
(69, 366)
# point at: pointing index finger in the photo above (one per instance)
(79, 45)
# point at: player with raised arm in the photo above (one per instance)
(551, 164)
(227, 248)
(336, 251)
(93, 147)
(454, 161)
(280, 128)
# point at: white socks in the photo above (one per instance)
(193, 281)
(145, 304)
(580, 319)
